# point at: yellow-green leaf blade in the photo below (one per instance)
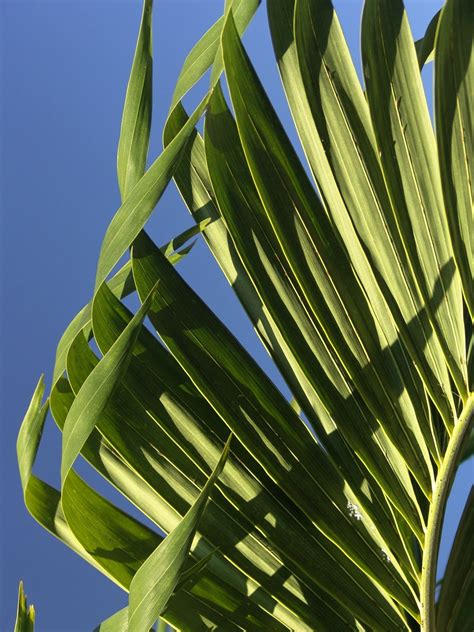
(333, 121)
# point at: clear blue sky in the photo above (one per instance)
(65, 68)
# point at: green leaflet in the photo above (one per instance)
(118, 622)
(119, 543)
(136, 119)
(97, 390)
(135, 128)
(172, 247)
(44, 504)
(43, 501)
(122, 285)
(454, 607)
(206, 52)
(408, 155)
(25, 615)
(156, 580)
(454, 106)
(30, 433)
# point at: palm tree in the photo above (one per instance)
(325, 512)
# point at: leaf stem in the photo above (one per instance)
(443, 484)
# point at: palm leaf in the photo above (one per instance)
(328, 511)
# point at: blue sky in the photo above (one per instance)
(65, 68)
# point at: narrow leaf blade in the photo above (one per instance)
(136, 118)
(156, 579)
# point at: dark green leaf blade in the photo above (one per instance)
(30, 433)
(121, 284)
(425, 45)
(118, 543)
(97, 390)
(42, 501)
(173, 245)
(206, 52)
(118, 622)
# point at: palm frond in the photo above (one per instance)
(326, 510)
